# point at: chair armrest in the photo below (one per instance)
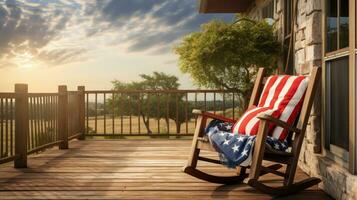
(278, 122)
(213, 116)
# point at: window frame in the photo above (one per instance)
(336, 154)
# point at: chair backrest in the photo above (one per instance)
(302, 121)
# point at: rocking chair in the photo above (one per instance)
(260, 153)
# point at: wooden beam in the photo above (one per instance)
(81, 110)
(224, 6)
(352, 87)
(63, 116)
(21, 125)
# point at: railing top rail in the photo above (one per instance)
(73, 92)
(37, 94)
(158, 91)
(7, 95)
(14, 95)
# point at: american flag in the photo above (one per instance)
(235, 149)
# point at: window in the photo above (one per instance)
(336, 25)
(287, 17)
(337, 109)
(338, 67)
(288, 54)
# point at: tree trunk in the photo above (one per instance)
(178, 127)
(146, 123)
(167, 124)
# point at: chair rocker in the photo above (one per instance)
(260, 153)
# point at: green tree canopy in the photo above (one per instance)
(152, 105)
(224, 55)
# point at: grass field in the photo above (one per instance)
(134, 125)
(122, 126)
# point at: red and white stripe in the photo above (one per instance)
(281, 98)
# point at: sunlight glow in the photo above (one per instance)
(25, 60)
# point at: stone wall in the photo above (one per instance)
(336, 180)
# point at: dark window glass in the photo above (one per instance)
(343, 24)
(287, 17)
(268, 11)
(288, 58)
(337, 102)
(331, 25)
(289, 64)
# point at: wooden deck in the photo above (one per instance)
(123, 169)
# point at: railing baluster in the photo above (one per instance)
(37, 121)
(45, 117)
(31, 116)
(50, 118)
(147, 108)
(158, 112)
(2, 127)
(41, 121)
(178, 129)
(168, 98)
(130, 121)
(186, 113)
(7, 126)
(87, 113)
(113, 113)
(205, 100)
(195, 108)
(121, 112)
(233, 106)
(224, 104)
(139, 111)
(96, 110)
(12, 118)
(104, 114)
(214, 102)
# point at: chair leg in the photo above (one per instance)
(258, 153)
(191, 167)
(193, 157)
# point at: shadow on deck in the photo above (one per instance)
(124, 169)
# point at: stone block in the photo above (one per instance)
(313, 52)
(313, 32)
(313, 6)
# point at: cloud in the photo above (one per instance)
(28, 26)
(62, 31)
(160, 23)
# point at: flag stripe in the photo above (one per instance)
(282, 98)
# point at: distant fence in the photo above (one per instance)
(32, 122)
(152, 112)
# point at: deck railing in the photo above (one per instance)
(152, 112)
(32, 122)
(7, 127)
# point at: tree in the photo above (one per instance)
(227, 56)
(153, 105)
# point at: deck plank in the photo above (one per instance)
(125, 169)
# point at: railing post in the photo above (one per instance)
(21, 125)
(81, 110)
(63, 116)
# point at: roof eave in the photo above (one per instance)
(224, 6)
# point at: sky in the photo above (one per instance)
(46, 43)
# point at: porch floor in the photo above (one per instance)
(124, 169)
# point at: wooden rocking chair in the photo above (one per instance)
(256, 169)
